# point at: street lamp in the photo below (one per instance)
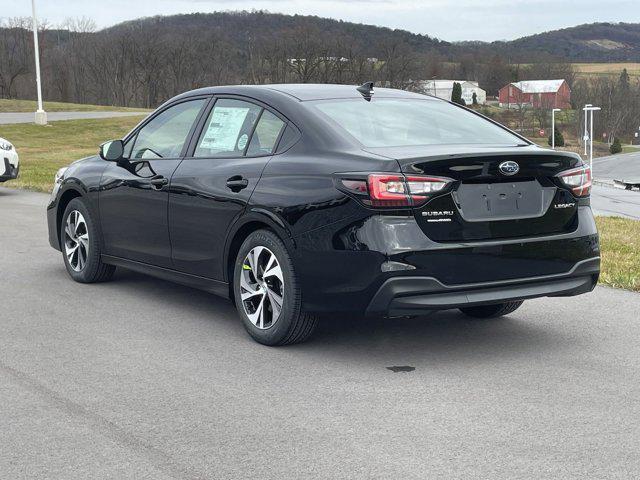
(41, 115)
(585, 138)
(553, 127)
(435, 87)
(591, 109)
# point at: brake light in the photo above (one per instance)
(578, 179)
(387, 190)
(394, 190)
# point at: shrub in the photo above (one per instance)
(616, 146)
(559, 137)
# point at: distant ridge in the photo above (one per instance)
(595, 42)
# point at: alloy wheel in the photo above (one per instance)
(76, 240)
(261, 287)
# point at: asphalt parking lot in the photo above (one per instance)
(140, 378)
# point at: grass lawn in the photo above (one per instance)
(44, 149)
(630, 149)
(620, 246)
(31, 105)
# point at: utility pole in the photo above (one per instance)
(41, 115)
(553, 127)
(585, 138)
(591, 109)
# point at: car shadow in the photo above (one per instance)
(445, 336)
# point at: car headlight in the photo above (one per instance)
(6, 146)
(60, 175)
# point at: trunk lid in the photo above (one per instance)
(497, 193)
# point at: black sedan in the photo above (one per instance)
(294, 200)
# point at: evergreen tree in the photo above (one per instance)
(616, 146)
(624, 80)
(456, 94)
(559, 138)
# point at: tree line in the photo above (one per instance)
(142, 63)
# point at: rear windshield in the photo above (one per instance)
(386, 122)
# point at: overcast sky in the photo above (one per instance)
(447, 20)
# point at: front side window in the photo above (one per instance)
(227, 130)
(386, 122)
(164, 136)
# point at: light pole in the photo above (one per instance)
(553, 127)
(41, 115)
(591, 109)
(585, 138)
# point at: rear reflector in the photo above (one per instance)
(578, 180)
(395, 190)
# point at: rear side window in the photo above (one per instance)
(266, 134)
(165, 135)
(227, 131)
(386, 122)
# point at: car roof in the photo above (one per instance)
(315, 91)
(289, 101)
(305, 91)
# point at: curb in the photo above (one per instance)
(617, 184)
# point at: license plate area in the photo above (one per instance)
(502, 201)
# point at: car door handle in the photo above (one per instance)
(237, 183)
(158, 182)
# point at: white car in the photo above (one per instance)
(9, 161)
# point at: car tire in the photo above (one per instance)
(492, 311)
(81, 245)
(267, 293)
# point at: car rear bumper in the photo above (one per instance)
(9, 171)
(352, 266)
(413, 295)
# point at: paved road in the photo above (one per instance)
(28, 117)
(139, 378)
(609, 201)
(617, 167)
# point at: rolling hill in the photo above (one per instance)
(596, 42)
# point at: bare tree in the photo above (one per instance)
(15, 54)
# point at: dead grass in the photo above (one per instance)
(605, 69)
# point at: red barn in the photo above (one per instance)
(537, 94)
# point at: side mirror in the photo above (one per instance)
(112, 151)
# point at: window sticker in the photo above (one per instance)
(223, 129)
(242, 141)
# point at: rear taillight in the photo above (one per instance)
(393, 190)
(387, 190)
(578, 180)
(421, 188)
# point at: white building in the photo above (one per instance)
(444, 89)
